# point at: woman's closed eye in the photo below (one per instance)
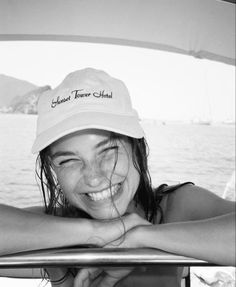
(66, 161)
(110, 151)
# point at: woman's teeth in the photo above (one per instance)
(106, 193)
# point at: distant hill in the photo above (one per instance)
(18, 96)
(27, 103)
(11, 88)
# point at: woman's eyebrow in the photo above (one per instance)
(102, 143)
(62, 153)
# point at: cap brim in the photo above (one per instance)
(125, 125)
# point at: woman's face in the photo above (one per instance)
(95, 173)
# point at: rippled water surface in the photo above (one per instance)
(178, 152)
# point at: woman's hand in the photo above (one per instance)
(101, 277)
(124, 231)
(107, 231)
(60, 277)
(88, 277)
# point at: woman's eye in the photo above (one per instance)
(110, 150)
(66, 162)
(109, 153)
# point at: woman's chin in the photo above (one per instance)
(107, 214)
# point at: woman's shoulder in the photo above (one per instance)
(35, 209)
(190, 202)
(172, 197)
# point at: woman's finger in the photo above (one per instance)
(60, 277)
(86, 276)
(113, 276)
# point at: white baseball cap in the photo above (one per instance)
(87, 98)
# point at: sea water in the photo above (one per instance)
(202, 154)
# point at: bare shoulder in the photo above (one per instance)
(35, 209)
(190, 202)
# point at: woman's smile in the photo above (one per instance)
(105, 194)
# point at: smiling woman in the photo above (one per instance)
(93, 172)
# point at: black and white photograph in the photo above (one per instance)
(117, 143)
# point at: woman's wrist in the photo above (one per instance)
(144, 236)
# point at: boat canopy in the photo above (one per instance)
(201, 28)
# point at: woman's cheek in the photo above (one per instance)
(67, 180)
(122, 165)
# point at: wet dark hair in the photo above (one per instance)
(146, 196)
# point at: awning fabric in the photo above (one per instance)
(201, 28)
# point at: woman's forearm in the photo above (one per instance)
(22, 230)
(211, 240)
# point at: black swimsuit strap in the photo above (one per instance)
(163, 190)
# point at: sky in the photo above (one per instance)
(162, 85)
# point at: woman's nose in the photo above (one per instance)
(93, 176)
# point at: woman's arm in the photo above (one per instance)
(23, 230)
(211, 239)
(197, 223)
